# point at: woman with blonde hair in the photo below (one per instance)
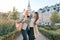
(22, 26)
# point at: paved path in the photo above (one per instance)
(41, 37)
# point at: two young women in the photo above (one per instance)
(30, 27)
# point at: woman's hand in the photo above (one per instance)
(19, 26)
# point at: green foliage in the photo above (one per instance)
(50, 33)
(7, 29)
(55, 17)
(5, 37)
(51, 27)
(1, 38)
(15, 14)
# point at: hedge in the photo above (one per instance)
(4, 37)
(54, 33)
(7, 29)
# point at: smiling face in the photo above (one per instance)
(35, 16)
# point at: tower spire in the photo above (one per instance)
(29, 5)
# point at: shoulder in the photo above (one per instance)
(38, 20)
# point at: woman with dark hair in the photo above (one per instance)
(36, 23)
(33, 26)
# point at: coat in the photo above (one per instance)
(36, 31)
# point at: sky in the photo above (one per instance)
(20, 5)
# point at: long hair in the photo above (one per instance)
(37, 16)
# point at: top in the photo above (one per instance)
(31, 24)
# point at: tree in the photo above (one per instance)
(55, 17)
(15, 14)
(4, 16)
